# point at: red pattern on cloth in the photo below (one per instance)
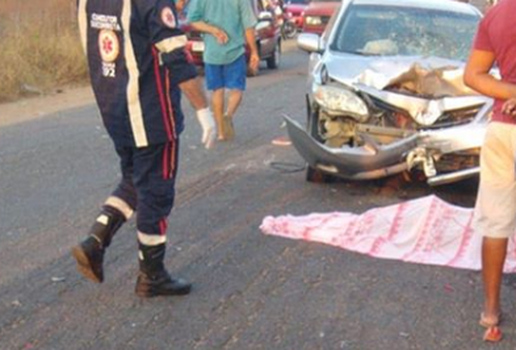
(427, 230)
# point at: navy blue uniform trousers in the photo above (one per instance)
(148, 184)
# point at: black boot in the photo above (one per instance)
(90, 252)
(154, 280)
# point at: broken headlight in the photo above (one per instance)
(339, 101)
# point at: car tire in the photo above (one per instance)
(318, 176)
(273, 62)
(289, 30)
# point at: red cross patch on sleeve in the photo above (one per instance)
(168, 18)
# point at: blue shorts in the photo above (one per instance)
(229, 76)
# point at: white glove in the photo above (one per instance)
(209, 128)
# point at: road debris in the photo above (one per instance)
(282, 141)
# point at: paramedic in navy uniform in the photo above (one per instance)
(138, 69)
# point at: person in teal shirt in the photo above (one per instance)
(227, 26)
(181, 6)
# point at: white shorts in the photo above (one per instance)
(495, 209)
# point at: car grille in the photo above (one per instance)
(458, 161)
(397, 116)
(458, 117)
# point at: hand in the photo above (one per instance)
(209, 128)
(180, 4)
(254, 62)
(220, 35)
(509, 107)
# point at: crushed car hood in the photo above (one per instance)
(425, 87)
(430, 77)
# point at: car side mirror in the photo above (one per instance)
(265, 16)
(309, 42)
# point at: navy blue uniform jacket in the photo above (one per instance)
(136, 59)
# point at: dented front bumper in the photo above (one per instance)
(422, 149)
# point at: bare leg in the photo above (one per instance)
(217, 100)
(494, 251)
(234, 99)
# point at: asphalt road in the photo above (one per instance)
(251, 291)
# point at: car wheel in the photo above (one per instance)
(274, 61)
(317, 176)
(289, 30)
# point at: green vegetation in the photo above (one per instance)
(40, 47)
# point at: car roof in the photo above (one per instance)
(448, 5)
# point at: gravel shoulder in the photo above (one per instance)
(28, 109)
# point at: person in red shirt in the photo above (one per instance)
(495, 209)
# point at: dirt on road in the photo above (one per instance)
(31, 108)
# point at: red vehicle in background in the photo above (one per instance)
(318, 14)
(268, 36)
(295, 9)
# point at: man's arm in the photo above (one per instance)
(254, 60)
(477, 76)
(196, 18)
(180, 5)
(248, 19)
(218, 33)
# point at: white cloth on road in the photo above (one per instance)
(426, 231)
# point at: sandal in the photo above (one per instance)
(493, 333)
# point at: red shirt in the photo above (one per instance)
(497, 33)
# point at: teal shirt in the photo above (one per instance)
(233, 17)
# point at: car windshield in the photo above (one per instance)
(404, 31)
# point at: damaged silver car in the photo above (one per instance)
(385, 93)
